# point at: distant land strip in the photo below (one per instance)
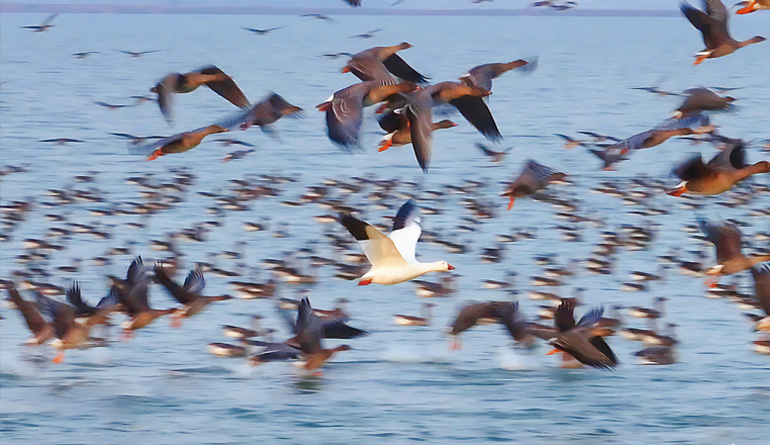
(10, 7)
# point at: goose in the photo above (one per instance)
(380, 62)
(188, 294)
(642, 312)
(69, 333)
(182, 142)
(473, 314)
(657, 355)
(726, 237)
(578, 340)
(41, 330)
(226, 350)
(309, 330)
(482, 75)
(533, 177)
(254, 330)
(44, 26)
(702, 99)
(410, 320)
(713, 25)
(392, 257)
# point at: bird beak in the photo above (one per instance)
(450, 267)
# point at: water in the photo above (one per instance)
(398, 384)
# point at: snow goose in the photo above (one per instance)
(392, 257)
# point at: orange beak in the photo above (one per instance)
(324, 106)
(345, 70)
(450, 267)
(749, 8)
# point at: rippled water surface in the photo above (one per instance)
(398, 384)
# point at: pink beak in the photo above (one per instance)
(450, 267)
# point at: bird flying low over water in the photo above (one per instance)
(533, 177)
(726, 237)
(399, 130)
(702, 99)
(211, 76)
(578, 340)
(183, 142)
(482, 75)
(713, 25)
(393, 256)
(44, 26)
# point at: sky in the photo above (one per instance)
(419, 4)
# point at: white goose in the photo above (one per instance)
(392, 256)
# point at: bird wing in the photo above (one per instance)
(421, 129)
(345, 114)
(165, 89)
(226, 88)
(761, 274)
(584, 350)
(406, 230)
(591, 317)
(33, 318)
(194, 283)
(691, 169)
(396, 65)
(378, 248)
(514, 322)
(475, 111)
(338, 329)
(180, 294)
(309, 328)
(726, 238)
(60, 314)
(480, 76)
(49, 19)
(76, 300)
(564, 317)
(367, 67)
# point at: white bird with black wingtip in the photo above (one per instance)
(392, 256)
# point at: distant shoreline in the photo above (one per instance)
(8, 7)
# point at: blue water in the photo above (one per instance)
(398, 384)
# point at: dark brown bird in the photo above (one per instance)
(494, 156)
(268, 111)
(380, 62)
(189, 294)
(133, 293)
(183, 142)
(473, 314)
(578, 339)
(713, 25)
(70, 333)
(702, 99)
(211, 76)
(41, 330)
(533, 177)
(399, 131)
(309, 330)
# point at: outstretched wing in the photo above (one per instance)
(396, 65)
(226, 88)
(406, 230)
(378, 248)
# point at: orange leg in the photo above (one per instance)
(59, 357)
(176, 321)
(679, 191)
(510, 203)
(384, 145)
(126, 335)
(701, 58)
(712, 282)
(455, 344)
(155, 155)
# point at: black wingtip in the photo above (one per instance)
(355, 226)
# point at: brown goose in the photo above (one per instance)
(721, 173)
(309, 330)
(42, 331)
(473, 314)
(183, 142)
(578, 340)
(133, 294)
(211, 76)
(268, 111)
(467, 100)
(713, 25)
(702, 99)
(344, 109)
(399, 131)
(750, 6)
(726, 237)
(482, 75)
(380, 62)
(188, 294)
(533, 177)
(69, 333)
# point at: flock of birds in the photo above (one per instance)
(406, 102)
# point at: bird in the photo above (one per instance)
(254, 330)
(263, 32)
(136, 140)
(309, 330)
(344, 109)
(265, 112)
(211, 76)
(84, 54)
(317, 16)
(62, 141)
(726, 237)
(366, 35)
(69, 333)
(380, 62)
(133, 292)
(578, 339)
(702, 99)
(470, 315)
(237, 154)
(713, 25)
(399, 131)
(136, 54)
(189, 294)
(533, 177)
(44, 26)
(183, 142)
(717, 176)
(570, 142)
(467, 100)
(482, 75)
(494, 156)
(410, 320)
(353, 3)
(392, 257)
(750, 6)
(110, 106)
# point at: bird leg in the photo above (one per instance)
(176, 321)
(678, 191)
(455, 344)
(712, 282)
(365, 282)
(59, 356)
(700, 57)
(384, 145)
(126, 335)
(510, 203)
(747, 8)
(155, 155)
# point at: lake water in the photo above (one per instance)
(399, 384)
